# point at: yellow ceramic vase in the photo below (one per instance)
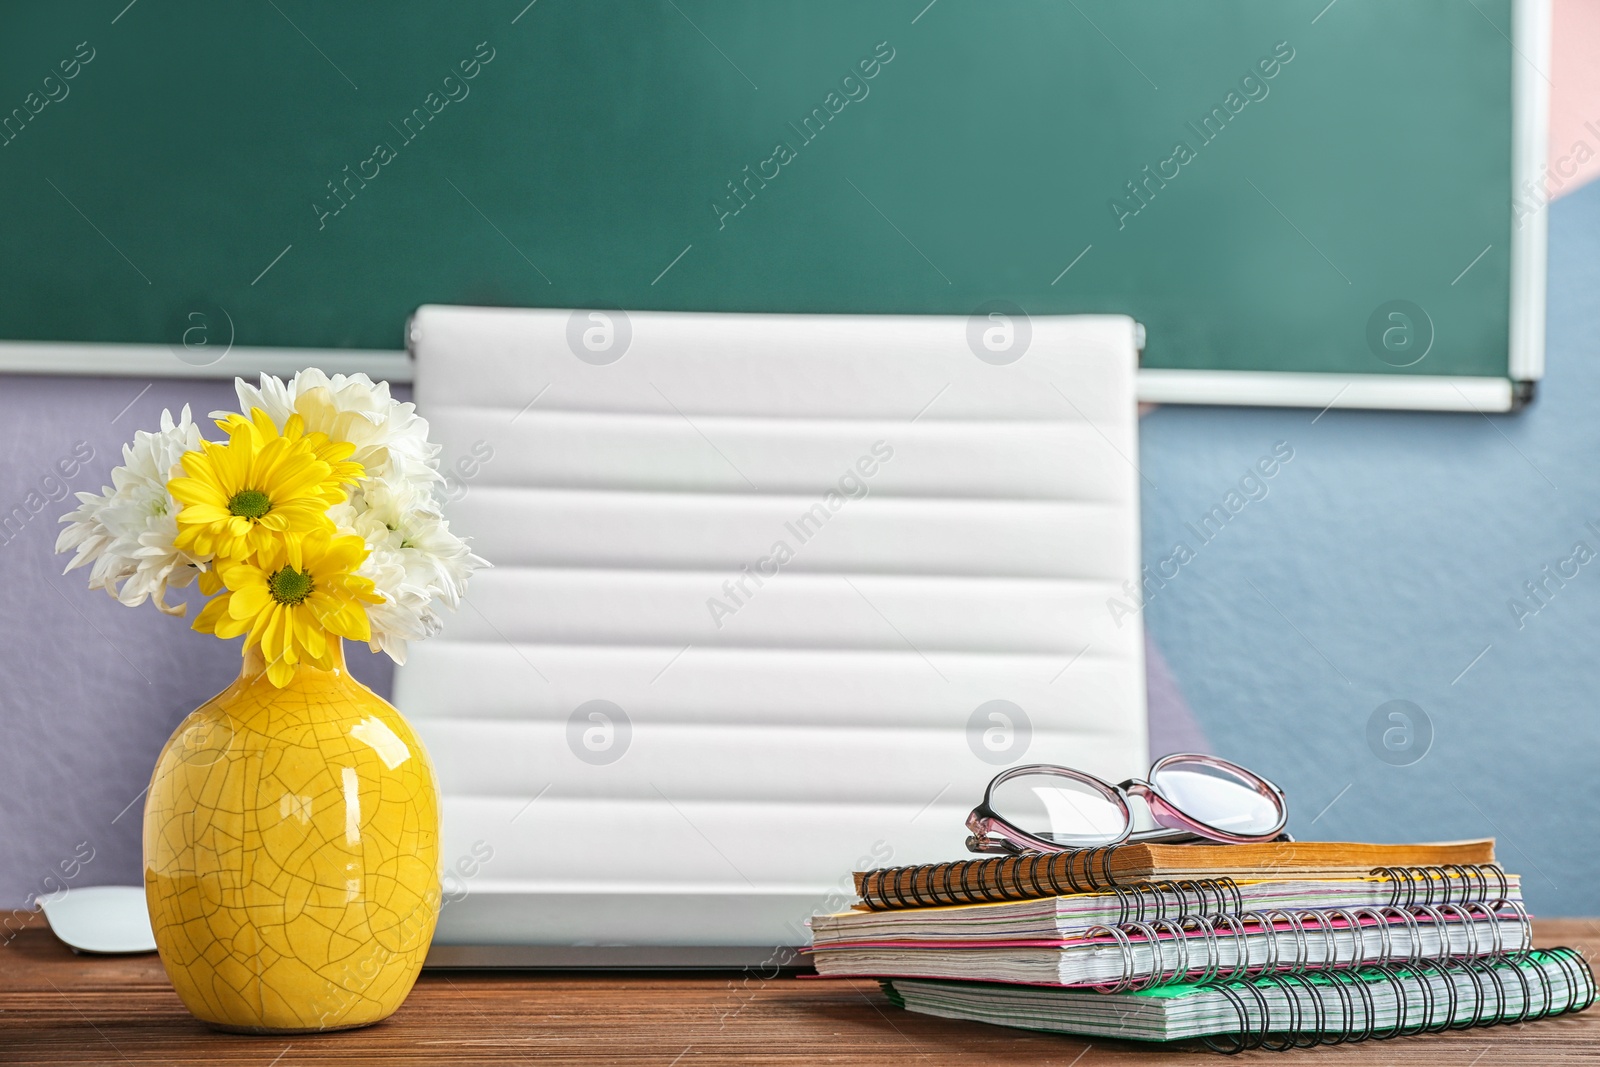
(291, 854)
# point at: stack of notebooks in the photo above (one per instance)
(1269, 945)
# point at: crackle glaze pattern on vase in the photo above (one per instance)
(291, 852)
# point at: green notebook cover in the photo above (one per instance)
(1280, 1010)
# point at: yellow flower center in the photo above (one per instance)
(250, 504)
(289, 586)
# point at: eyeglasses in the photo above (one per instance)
(1044, 808)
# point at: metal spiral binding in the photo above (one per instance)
(1415, 886)
(963, 882)
(1189, 948)
(1307, 1023)
(1101, 855)
(1088, 870)
(1146, 901)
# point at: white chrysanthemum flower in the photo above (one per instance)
(407, 612)
(128, 530)
(391, 439)
(413, 560)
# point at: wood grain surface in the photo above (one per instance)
(59, 1008)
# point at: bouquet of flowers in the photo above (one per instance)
(316, 516)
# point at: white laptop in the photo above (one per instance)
(773, 597)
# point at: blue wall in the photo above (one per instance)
(1392, 545)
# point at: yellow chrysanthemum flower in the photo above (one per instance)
(289, 598)
(260, 487)
(334, 453)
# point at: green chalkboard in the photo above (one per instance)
(1252, 179)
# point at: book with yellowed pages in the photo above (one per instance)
(1090, 870)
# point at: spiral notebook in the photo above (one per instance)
(1196, 948)
(1281, 1011)
(1071, 915)
(1097, 869)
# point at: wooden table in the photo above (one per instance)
(59, 1008)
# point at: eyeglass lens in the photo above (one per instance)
(1218, 797)
(1058, 809)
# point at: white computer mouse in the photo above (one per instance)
(104, 919)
